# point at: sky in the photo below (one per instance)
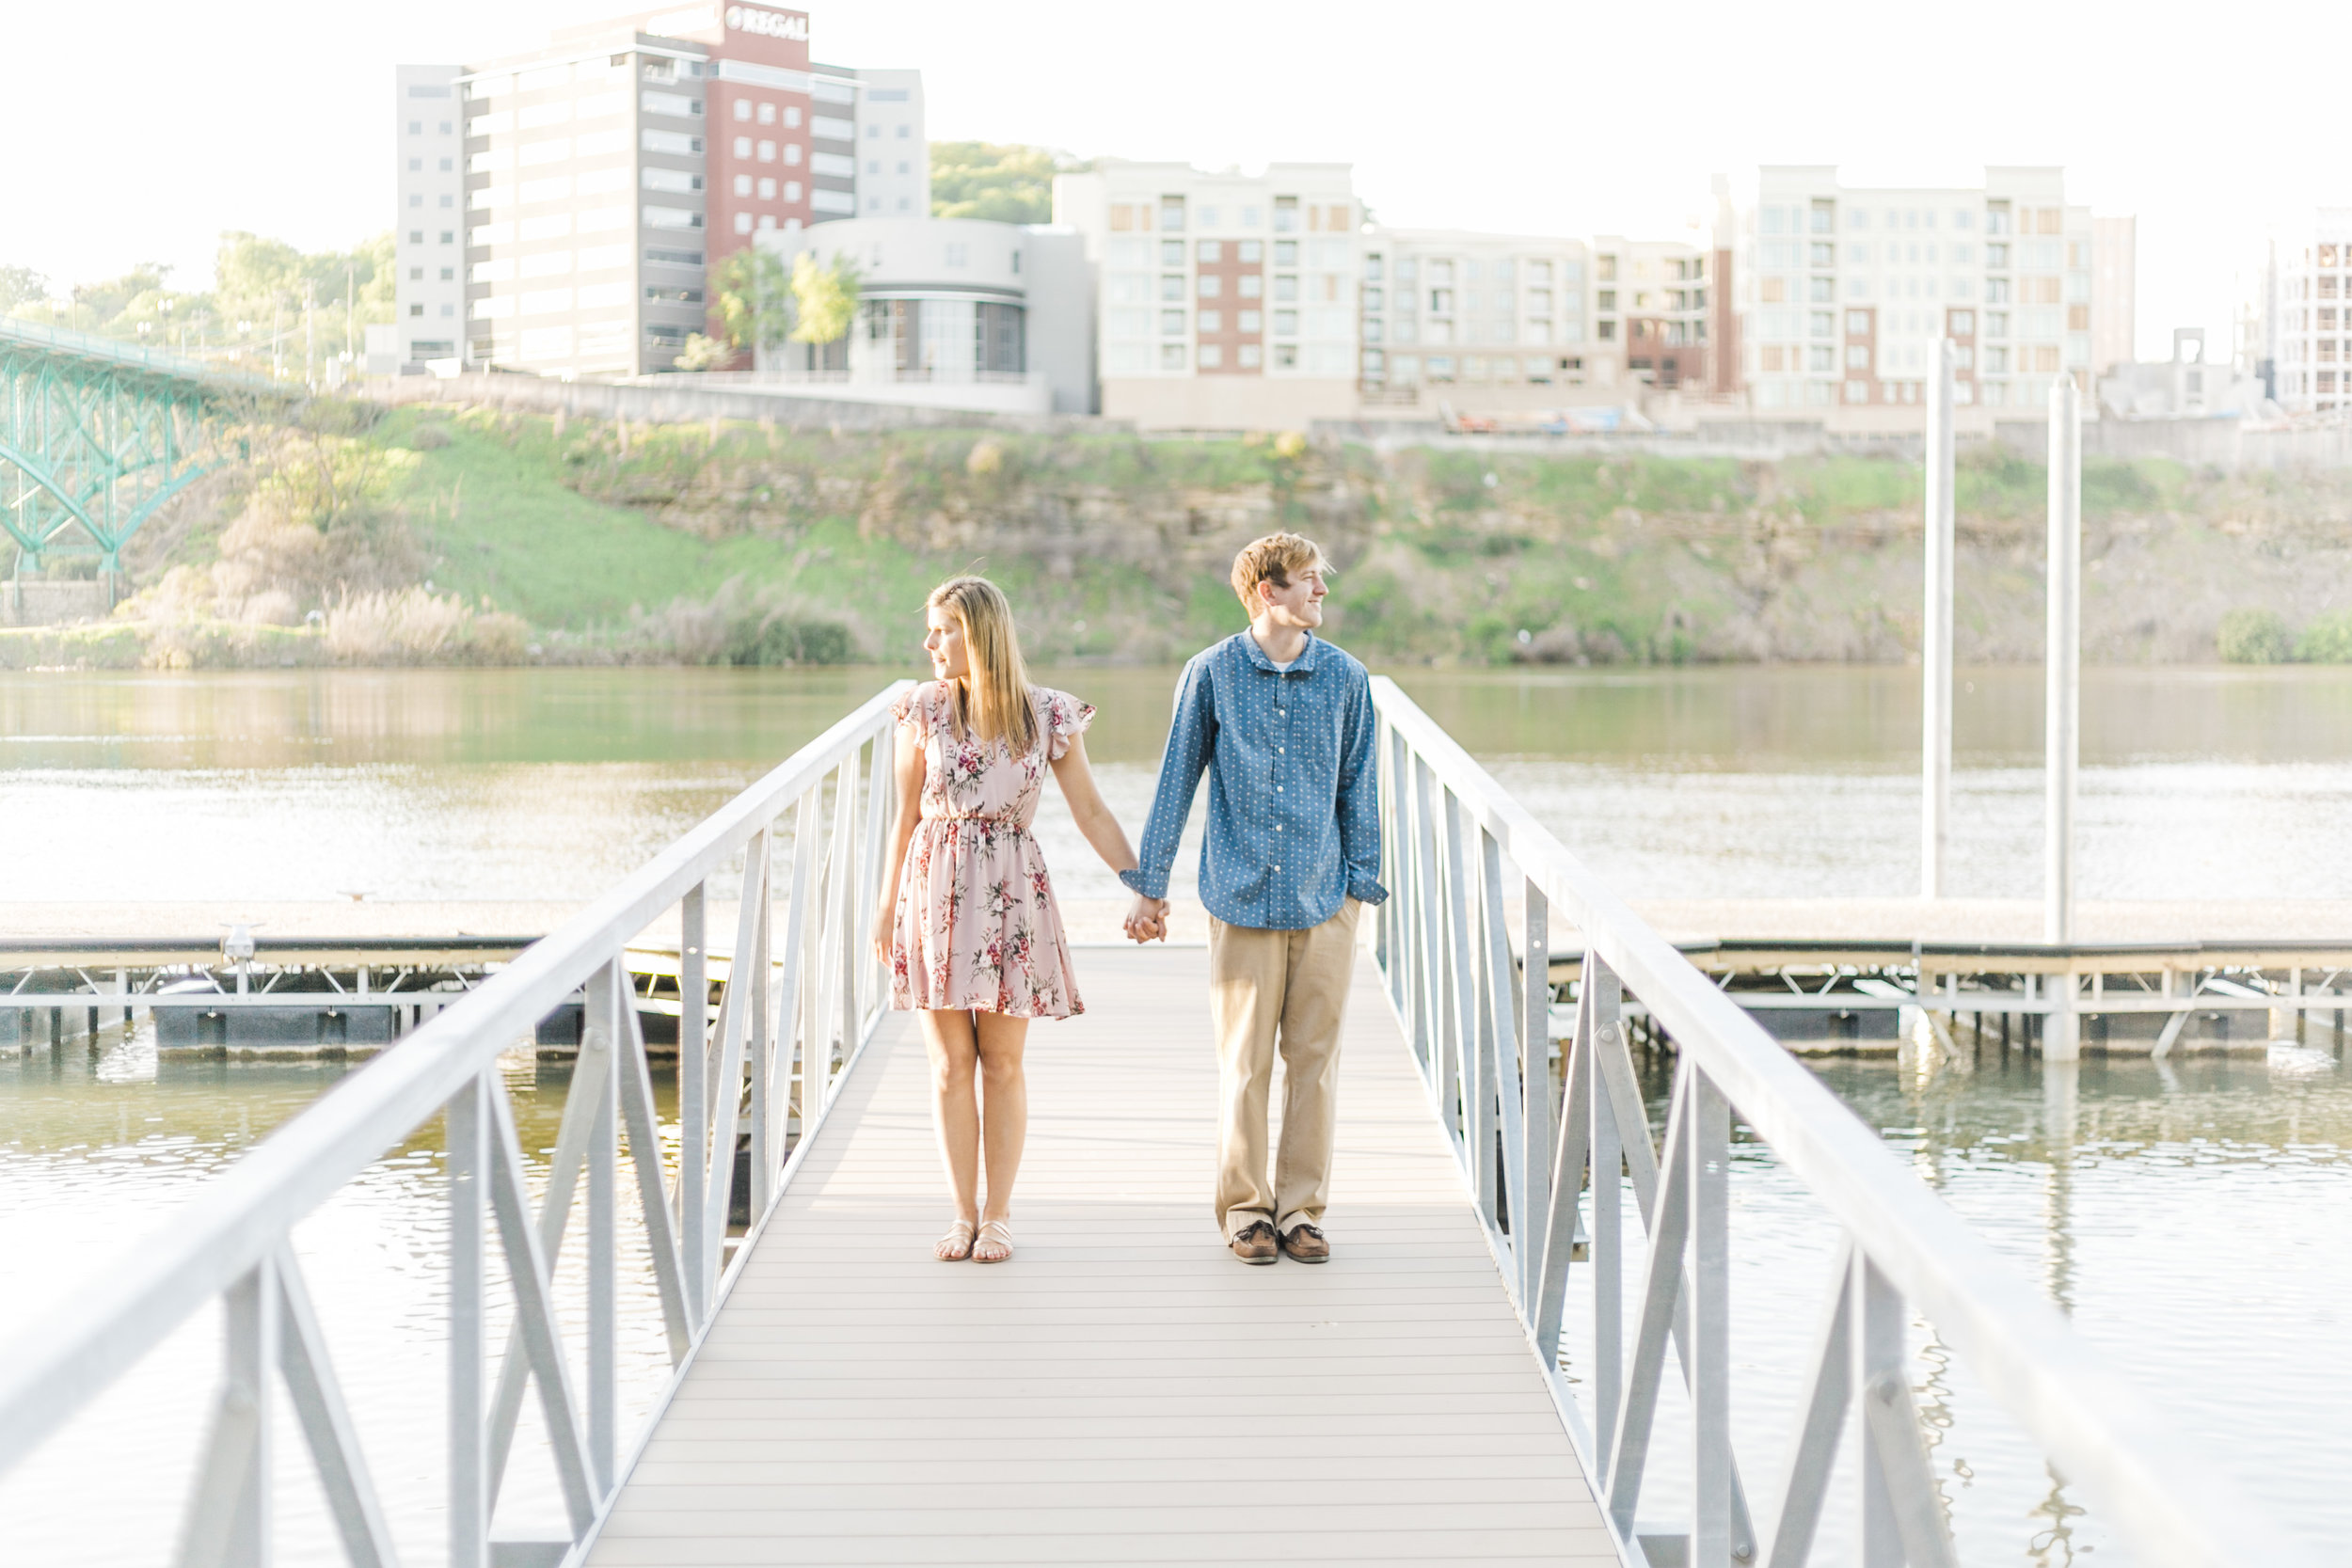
(171, 123)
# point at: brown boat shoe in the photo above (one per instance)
(1255, 1244)
(1304, 1243)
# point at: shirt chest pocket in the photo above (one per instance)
(1300, 743)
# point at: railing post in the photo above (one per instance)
(229, 1518)
(469, 1138)
(693, 1096)
(1428, 982)
(1710, 1348)
(604, 993)
(1536, 1102)
(751, 972)
(1878, 1347)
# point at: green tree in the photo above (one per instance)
(826, 298)
(20, 286)
(1002, 181)
(754, 298)
(2254, 637)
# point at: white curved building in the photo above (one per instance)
(952, 314)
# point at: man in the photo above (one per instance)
(1283, 723)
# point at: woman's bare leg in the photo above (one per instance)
(1004, 1106)
(955, 1112)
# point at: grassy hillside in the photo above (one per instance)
(1117, 548)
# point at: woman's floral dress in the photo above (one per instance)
(976, 924)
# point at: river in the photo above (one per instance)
(2185, 1217)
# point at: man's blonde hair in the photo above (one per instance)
(1273, 559)
(993, 701)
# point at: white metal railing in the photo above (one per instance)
(1452, 842)
(775, 1056)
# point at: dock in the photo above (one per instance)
(1124, 1391)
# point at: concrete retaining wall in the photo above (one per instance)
(791, 407)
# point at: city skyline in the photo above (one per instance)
(1561, 137)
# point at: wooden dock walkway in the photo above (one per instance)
(1123, 1390)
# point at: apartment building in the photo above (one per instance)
(604, 175)
(428, 239)
(1226, 301)
(2306, 322)
(1503, 314)
(2114, 292)
(894, 158)
(1844, 292)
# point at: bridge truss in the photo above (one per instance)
(95, 436)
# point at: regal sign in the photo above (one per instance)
(774, 25)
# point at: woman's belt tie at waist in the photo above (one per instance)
(1013, 823)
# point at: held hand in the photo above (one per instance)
(883, 934)
(1147, 919)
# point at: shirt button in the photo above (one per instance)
(1277, 868)
(1280, 749)
(1278, 789)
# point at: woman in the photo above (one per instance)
(968, 924)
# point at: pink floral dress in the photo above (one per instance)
(976, 924)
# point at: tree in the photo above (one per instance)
(1000, 182)
(754, 299)
(20, 286)
(826, 298)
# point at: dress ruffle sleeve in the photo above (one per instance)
(1066, 718)
(914, 707)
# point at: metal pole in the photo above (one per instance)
(2062, 702)
(1935, 633)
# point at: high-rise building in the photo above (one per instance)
(894, 166)
(1844, 292)
(1227, 300)
(2114, 289)
(605, 175)
(2306, 320)
(1444, 309)
(428, 238)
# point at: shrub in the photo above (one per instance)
(741, 625)
(2326, 639)
(2254, 637)
(416, 627)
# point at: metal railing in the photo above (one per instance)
(770, 1062)
(1453, 846)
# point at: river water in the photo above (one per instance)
(2185, 1218)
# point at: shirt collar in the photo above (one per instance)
(1304, 664)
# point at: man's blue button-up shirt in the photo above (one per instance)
(1293, 827)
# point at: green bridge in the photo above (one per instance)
(96, 436)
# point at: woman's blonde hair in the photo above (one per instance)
(993, 701)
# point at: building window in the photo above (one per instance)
(742, 184)
(792, 152)
(1212, 356)
(416, 310)
(1963, 324)
(1286, 324)
(742, 223)
(792, 191)
(767, 190)
(415, 236)
(1857, 356)
(1212, 253)
(1171, 356)
(1171, 253)
(416, 127)
(448, 275)
(743, 108)
(1822, 290)
(1857, 391)
(1252, 252)
(1208, 285)
(416, 166)
(1212, 321)
(1252, 285)
(1820, 358)
(1172, 323)
(1248, 321)
(416, 198)
(449, 236)
(1250, 357)
(1171, 215)
(1608, 332)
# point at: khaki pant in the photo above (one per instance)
(1284, 990)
